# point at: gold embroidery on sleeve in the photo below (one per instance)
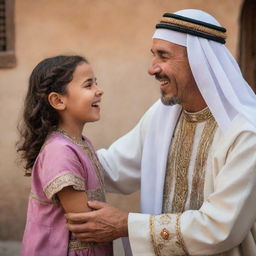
(165, 236)
(180, 241)
(61, 181)
(152, 235)
(41, 201)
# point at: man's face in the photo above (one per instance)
(171, 68)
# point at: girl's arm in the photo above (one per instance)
(73, 200)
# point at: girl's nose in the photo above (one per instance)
(99, 92)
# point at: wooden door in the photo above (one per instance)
(247, 51)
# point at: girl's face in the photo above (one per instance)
(83, 96)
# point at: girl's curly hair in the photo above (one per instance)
(39, 117)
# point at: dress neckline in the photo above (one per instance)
(76, 140)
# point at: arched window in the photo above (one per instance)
(7, 54)
(247, 54)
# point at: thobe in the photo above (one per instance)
(224, 222)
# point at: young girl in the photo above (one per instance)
(62, 96)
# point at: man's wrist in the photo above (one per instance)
(124, 224)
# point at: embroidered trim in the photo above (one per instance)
(194, 21)
(183, 146)
(75, 245)
(200, 116)
(78, 141)
(34, 197)
(97, 164)
(179, 159)
(152, 235)
(197, 192)
(61, 181)
(95, 194)
(87, 148)
(180, 241)
(171, 163)
(193, 26)
(163, 245)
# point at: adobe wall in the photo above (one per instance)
(116, 37)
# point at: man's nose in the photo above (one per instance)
(154, 68)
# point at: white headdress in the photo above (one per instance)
(216, 72)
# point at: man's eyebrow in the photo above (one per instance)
(160, 52)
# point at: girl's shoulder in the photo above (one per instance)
(59, 152)
(57, 143)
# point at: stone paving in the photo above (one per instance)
(9, 248)
(12, 248)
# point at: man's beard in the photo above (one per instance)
(170, 101)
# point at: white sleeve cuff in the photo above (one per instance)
(139, 234)
(152, 235)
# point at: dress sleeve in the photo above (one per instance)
(222, 222)
(60, 167)
(122, 160)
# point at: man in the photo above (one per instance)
(192, 154)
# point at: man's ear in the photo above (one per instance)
(56, 101)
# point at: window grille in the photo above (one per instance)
(7, 54)
(2, 26)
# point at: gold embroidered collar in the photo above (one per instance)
(78, 141)
(199, 116)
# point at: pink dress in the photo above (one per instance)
(63, 161)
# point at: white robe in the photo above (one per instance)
(224, 223)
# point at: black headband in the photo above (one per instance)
(193, 27)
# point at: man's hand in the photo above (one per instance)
(104, 224)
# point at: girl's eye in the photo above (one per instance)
(88, 85)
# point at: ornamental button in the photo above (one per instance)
(165, 234)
